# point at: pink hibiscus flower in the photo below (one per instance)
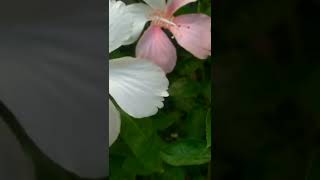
(191, 31)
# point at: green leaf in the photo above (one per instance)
(119, 149)
(133, 166)
(186, 152)
(207, 91)
(132, 134)
(208, 128)
(184, 93)
(172, 173)
(145, 148)
(184, 104)
(184, 88)
(196, 123)
(188, 66)
(165, 120)
(116, 172)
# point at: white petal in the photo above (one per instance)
(140, 16)
(120, 24)
(114, 123)
(156, 4)
(138, 86)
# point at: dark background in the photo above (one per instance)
(266, 87)
(53, 74)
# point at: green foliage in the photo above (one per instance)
(186, 152)
(175, 144)
(208, 128)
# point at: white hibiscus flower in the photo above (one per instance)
(138, 86)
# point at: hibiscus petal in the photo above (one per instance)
(155, 46)
(120, 24)
(12, 157)
(138, 86)
(114, 123)
(53, 79)
(139, 13)
(174, 5)
(156, 4)
(193, 32)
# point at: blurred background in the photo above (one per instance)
(45, 45)
(266, 84)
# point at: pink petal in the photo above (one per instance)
(174, 5)
(154, 45)
(193, 32)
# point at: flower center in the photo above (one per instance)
(159, 18)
